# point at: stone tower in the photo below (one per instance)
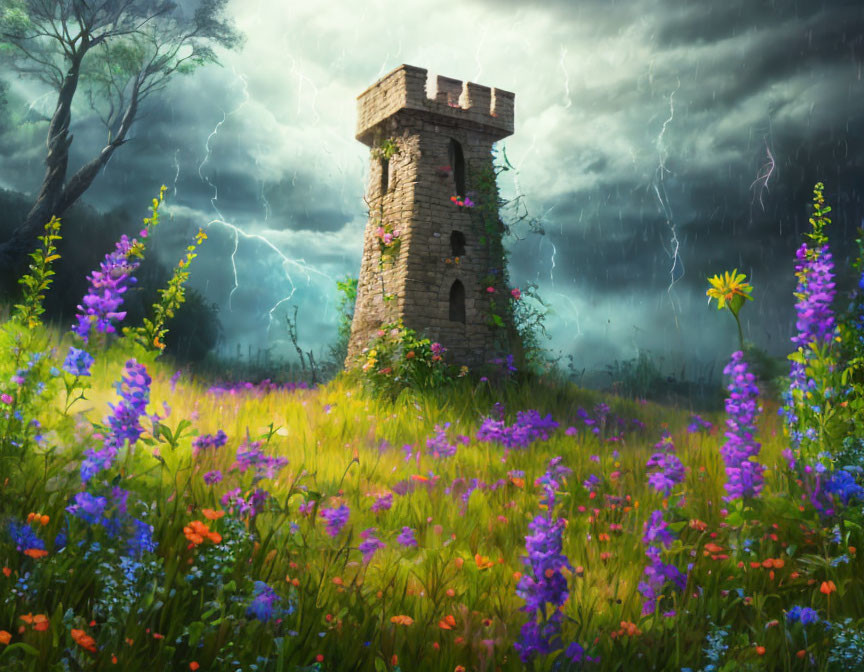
(427, 260)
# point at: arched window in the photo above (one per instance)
(457, 302)
(457, 163)
(385, 175)
(457, 244)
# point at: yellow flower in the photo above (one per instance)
(729, 286)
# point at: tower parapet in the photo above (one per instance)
(471, 105)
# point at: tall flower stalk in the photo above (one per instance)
(807, 410)
(546, 584)
(744, 475)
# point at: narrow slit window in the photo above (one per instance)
(457, 302)
(457, 163)
(385, 175)
(457, 244)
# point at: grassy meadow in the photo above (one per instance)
(150, 521)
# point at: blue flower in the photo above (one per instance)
(804, 614)
(78, 362)
(24, 537)
(263, 604)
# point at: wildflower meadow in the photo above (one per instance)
(414, 515)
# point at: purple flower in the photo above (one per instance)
(250, 455)
(697, 424)
(382, 503)
(529, 427)
(105, 294)
(370, 544)
(657, 573)
(88, 507)
(438, 445)
(744, 474)
(406, 538)
(666, 470)
(208, 442)
(545, 584)
(656, 529)
(815, 324)
(213, 477)
(124, 422)
(336, 519)
(175, 378)
(78, 362)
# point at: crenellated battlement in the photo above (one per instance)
(410, 88)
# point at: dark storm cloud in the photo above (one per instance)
(596, 82)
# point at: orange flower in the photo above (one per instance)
(418, 477)
(518, 482)
(5, 637)
(698, 525)
(402, 620)
(711, 547)
(760, 650)
(447, 623)
(84, 640)
(459, 668)
(197, 531)
(827, 587)
(35, 553)
(7, 572)
(482, 563)
(193, 666)
(27, 618)
(40, 622)
(210, 514)
(44, 520)
(459, 562)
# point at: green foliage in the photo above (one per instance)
(397, 359)
(151, 333)
(37, 282)
(347, 289)
(388, 148)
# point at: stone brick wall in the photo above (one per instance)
(417, 204)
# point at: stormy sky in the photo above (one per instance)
(657, 142)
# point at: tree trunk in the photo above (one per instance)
(54, 198)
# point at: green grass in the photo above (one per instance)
(334, 438)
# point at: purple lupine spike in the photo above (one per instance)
(744, 475)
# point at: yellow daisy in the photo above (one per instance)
(727, 287)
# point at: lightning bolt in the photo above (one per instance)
(177, 172)
(575, 312)
(295, 70)
(663, 199)
(204, 178)
(236, 231)
(286, 263)
(477, 54)
(566, 76)
(763, 175)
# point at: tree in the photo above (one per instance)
(118, 52)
